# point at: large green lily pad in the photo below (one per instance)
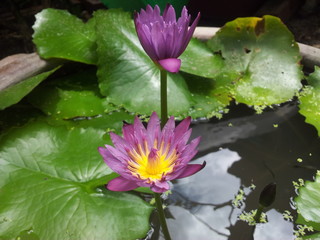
(261, 60)
(310, 100)
(58, 34)
(51, 183)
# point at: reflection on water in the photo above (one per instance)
(275, 228)
(211, 193)
(256, 149)
(213, 185)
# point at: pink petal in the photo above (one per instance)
(182, 128)
(121, 184)
(160, 187)
(140, 133)
(119, 142)
(190, 150)
(190, 169)
(153, 128)
(114, 163)
(170, 64)
(189, 34)
(128, 133)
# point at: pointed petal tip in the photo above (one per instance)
(170, 64)
(191, 169)
(120, 184)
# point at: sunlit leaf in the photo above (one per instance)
(308, 204)
(52, 184)
(310, 100)
(261, 60)
(58, 34)
(199, 60)
(72, 96)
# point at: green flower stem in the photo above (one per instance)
(162, 218)
(163, 97)
(258, 214)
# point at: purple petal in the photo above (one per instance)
(180, 144)
(119, 142)
(121, 184)
(144, 36)
(169, 15)
(190, 151)
(168, 129)
(158, 41)
(160, 187)
(189, 34)
(153, 128)
(191, 169)
(170, 64)
(182, 128)
(128, 133)
(115, 164)
(140, 133)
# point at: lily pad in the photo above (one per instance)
(58, 34)
(51, 183)
(308, 204)
(310, 100)
(15, 93)
(199, 60)
(261, 60)
(72, 96)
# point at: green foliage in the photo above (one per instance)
(52, 181)
(308, 206)
(58, 34)
(310, 100)
(261, 60)
(70, 97)
(16, 92)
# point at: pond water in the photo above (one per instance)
(241, 150)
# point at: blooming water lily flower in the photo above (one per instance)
(149, 157)
(163, 37)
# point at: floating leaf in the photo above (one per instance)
(15, 93)
(261, 60)
(51, 183)
(199, 60)
(73, 96)
(308, 204)
(310, 100)
(58, 34)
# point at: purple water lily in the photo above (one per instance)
(163, 37)
(149, 157)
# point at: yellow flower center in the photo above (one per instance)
(151, 164)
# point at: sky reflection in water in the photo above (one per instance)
(205, 208)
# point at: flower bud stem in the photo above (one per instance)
(162, 217)
(163, 97)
